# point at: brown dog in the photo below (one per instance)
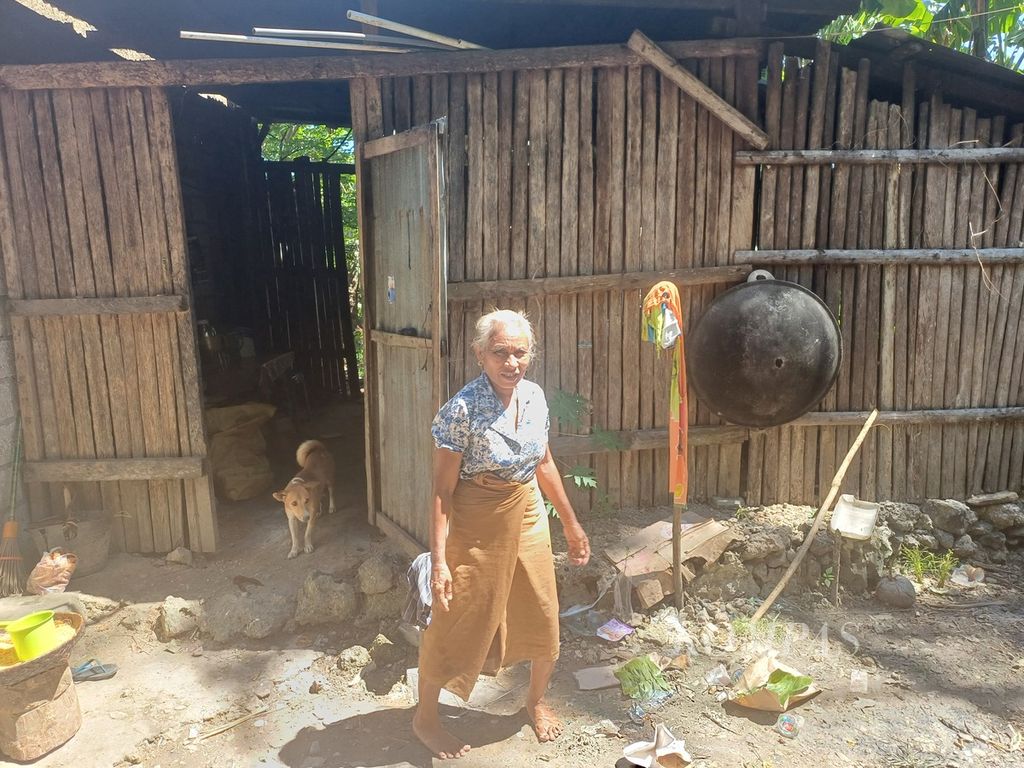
(304, 494)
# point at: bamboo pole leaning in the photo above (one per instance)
(818, 519)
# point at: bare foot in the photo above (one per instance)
(437, 739)
(545, 722)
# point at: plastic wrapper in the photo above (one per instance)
(52, 573)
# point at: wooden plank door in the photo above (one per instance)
(93, 248)
(404, 251)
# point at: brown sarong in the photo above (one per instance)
(504, 606)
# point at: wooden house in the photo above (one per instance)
(557, 171)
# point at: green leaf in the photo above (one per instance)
(640, 678)
(784, 684)
(900, 8)
(568, 408)
(582, 477)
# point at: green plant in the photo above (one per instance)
(828, 577)
(944, 566)
(920, 563)
(915, 562)
(568, 408)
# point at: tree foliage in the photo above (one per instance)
(989, 29)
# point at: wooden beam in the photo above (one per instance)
(388, 339)
(567, 286)
(647, 439)
(935, 416)
(641, 439)
(202, 72)
(880, 156)
(398, 141)
(86, 470)
(883, 256)
(135, 305)
(691, 85)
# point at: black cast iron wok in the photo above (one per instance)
(765, 352)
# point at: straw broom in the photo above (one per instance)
(10, 554)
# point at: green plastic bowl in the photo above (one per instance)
(33, 635)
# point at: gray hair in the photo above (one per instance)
(508, 319)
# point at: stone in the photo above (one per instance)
(181, 556)
(763, 544)
(759, 571)
(1004, 516)
(375, 575)
(322, 600)
(896, 591)
(255, 616)
(927, 541)
(353, 660)
(384, 652)
(950, 515)
(822, 544)
(178, 617)
(778, 559)
(900, 517)
(730, 558)
(385, 606)
(263, 689)
(853, 576)
(725, 582)
(988, 499)
(995, 540)
(945, 539)
(965, 548)
(980, 528)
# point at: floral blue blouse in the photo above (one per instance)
(476, 424)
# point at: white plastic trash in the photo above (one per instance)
(853, 518)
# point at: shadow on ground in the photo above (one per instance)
(385, 738)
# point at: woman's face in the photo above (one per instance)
(505, 359)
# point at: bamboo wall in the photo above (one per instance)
(610, 170)
(565, 172)
(915, 337)
(93, 248)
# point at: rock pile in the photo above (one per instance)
(979, 532)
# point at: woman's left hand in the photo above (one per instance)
(579, 544)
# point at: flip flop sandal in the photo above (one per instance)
(93, 670)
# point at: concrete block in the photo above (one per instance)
(8, 399)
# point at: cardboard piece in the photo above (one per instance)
(595, 678)
(753, 695)
(647, 555)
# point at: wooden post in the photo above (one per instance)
(677, 553)
(818, 519)
(837, 556)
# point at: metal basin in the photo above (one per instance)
(764, 353)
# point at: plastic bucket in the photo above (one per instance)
(33, 635)
(853, 518)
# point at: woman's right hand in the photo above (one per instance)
(441, 585)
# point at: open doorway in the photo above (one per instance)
(270, 218)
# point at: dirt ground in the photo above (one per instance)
(944, 681)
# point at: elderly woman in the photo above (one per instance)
(493, 577)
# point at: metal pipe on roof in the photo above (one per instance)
(405, 29)
(337, 35)
(288, 42)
